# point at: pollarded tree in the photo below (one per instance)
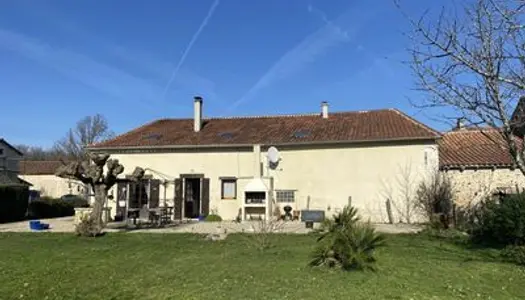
(93, 174)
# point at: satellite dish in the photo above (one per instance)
(273, 155)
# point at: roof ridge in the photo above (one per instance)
(292, 115)
(263, 116)
(416, 122)
(473, 130)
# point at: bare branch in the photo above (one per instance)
(474, 62)
(89, 130)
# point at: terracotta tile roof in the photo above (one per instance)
(473, 148)
(38, 167)
(377, 125)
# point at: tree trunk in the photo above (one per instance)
(100, 199)
(389, 211)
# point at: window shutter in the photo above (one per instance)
(133, 195)
(205, 197)
(177, 204)
(154, 193)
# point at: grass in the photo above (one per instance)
(176, 266)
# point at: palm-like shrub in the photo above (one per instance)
(346, 243)
(346, 218)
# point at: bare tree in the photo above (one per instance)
(39, 153)
(89, 130)
(92, 174)
(434, 197)
(473, 60)
(401, 193)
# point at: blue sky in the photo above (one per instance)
(136, 61)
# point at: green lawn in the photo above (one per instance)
(174, 266)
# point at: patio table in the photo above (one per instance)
(163, 213)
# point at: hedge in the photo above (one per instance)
(13, 203)
(54, 208)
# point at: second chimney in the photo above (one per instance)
(197, 113)
(460, 124)
(324, 109)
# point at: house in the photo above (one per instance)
(325, 160)
(41, 174)
(9, 164)
(478, 164)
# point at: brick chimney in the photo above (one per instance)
(324, 109)
(197, 113)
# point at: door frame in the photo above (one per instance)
(183, 177)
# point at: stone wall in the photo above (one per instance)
(470, 186)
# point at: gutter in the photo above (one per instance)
(476, 167)
(208, 146)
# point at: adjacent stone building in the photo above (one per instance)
(478, 164)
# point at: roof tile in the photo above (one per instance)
(474, 147)
(35, 167)
(377, 125)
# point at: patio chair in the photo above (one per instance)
(144, 214)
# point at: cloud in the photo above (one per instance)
(313, 10)
(309, 49)
(184, 78)
(105, 78)
(190, 45)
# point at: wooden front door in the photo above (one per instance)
(205, 196)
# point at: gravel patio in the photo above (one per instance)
(66, 224)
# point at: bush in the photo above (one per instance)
(213, 218)
(13, 203)
(346, 243)
(514, 254)
(76, 201)
(87, 227)
(434, 198)
(48, 207)
(501, 221)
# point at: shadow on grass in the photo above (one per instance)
(125, 227)
(461, 246)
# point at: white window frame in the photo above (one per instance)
(286, 199)
(229, 180)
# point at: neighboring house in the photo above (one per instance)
(9, 164)
(41, 174)
(204, 165)
(478, 164)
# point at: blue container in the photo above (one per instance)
(34, 225)
(37, 225)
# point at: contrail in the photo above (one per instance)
(308, 50)
(190, 45)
